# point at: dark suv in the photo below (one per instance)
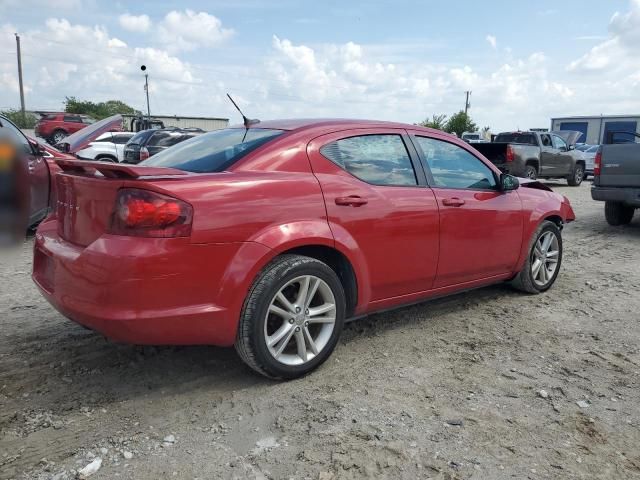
(147, 143)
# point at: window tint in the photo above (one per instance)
(165, 139)
(49, 117)
(71, 118)
(558, 142)
(517, 137)
(376, 159)
(454, 167)
(26, 146)
(213, 151)
(140, 137)
(546, 140)
(121, 139)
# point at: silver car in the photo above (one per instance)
(589, 154)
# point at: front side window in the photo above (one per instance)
(375, 159)
(72, 119)
(19, 136)
(454, 167)
(559, 143)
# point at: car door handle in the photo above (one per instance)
(453, 202)
(351, 201)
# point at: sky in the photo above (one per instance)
(524, 62)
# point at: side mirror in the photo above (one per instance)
(39, 149)
(572, 147)
(508, 182)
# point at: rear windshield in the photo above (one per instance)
(471, 137)
(526, 138)
(213, 151)
(164, 138)
(140, 137)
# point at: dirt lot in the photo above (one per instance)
(489, 384)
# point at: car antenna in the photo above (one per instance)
(247, 121)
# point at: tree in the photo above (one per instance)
(29, 120)
(460, 123)
(98, 110)
(437, 121)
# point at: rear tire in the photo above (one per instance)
(57, 136)
(270, 330)
(576, 177)
(531, 172)
(530, 279)
(617, 213)
(106, 158)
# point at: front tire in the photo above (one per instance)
(543, 262)
(292, 317)
(617, 213)
(576, 177)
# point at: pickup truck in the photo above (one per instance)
(537, 155)
(616, 180)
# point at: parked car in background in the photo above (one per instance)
(107, 147)
(537, 155)
(53, 127)
(270, 236)
(147, 143)
(589, 155)
(616, 180)
(474, 137)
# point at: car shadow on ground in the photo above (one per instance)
(84, 367)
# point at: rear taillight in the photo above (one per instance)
(511, 156)
(143, 213)
(144, 153)
(597, 163)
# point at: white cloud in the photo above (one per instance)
(135, 23)
(492, 41)
(189, 30)
(620, 52)
(65, 59)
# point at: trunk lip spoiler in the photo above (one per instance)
(116, 170)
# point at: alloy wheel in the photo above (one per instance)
(300, 320)
(579, 175)
(545, 255)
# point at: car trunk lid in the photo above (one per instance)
(87, 194)
(79, 140)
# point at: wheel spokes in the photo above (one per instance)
(302, 347)
(285, 342)
(300, 320)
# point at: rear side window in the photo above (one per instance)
(453, 167)
(50, 117)
(213, 151)
(375, 159)
(71, 118)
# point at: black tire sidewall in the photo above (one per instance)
(529, 168)
(546, 227)
(270, 364)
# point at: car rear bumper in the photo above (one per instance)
(140, 290)
(627, 195)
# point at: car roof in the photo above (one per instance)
(299, 124)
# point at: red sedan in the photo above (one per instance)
(269, 237)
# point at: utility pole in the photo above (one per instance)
(146, 89)
(467, 105)
(24, 116)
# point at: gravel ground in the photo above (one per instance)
(489, 384)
